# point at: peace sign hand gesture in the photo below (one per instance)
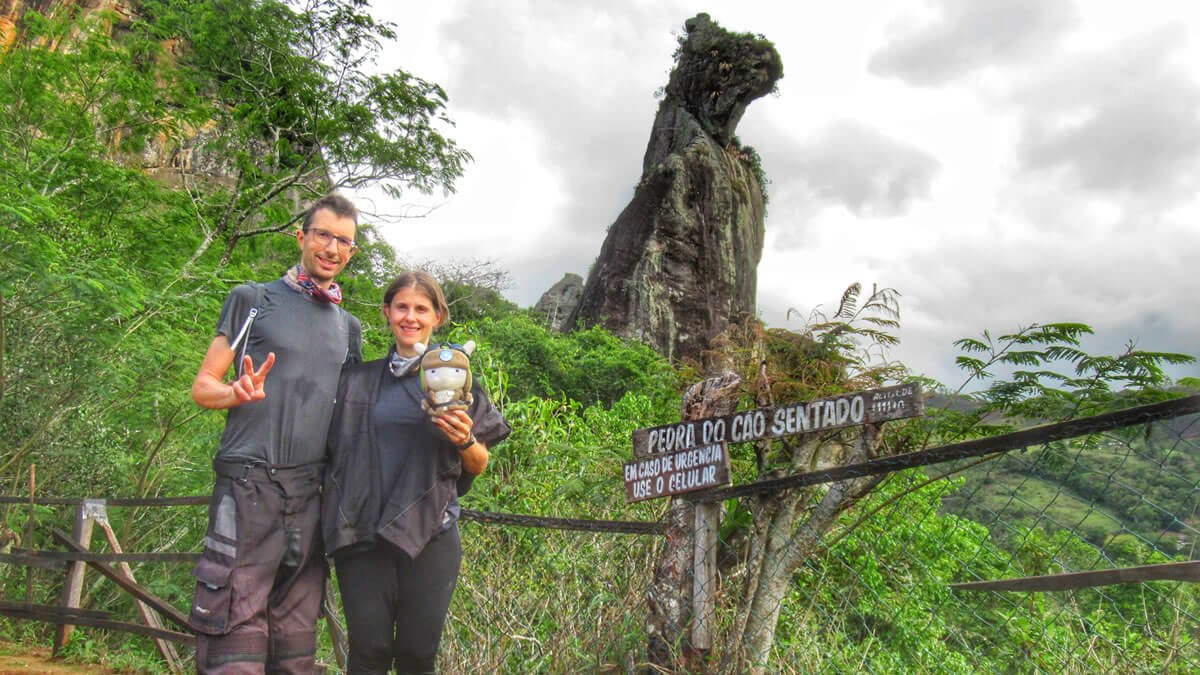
(249, 387)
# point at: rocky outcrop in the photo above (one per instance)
(560, 301)
(174, 160)
(680, 262)
(13, 11)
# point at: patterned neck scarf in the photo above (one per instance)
(402, 365)
(298, 279)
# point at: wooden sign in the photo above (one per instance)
(677, 472)
(863, 407)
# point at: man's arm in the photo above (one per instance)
(210, 390)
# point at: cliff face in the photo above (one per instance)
(172, 160)
(12, 11)
(680, 262)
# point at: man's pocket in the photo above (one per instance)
(213, 600)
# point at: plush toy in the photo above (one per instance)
(445, 376)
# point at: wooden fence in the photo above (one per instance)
(168, 626)
(161, 621)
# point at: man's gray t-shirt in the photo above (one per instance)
(311, 340)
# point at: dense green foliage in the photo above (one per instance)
(281, 108)
(588, 366)
(111, 287)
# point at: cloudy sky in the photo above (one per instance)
(998, 162)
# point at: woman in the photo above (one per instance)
(390, 508)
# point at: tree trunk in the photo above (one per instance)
(785, 535)
(670, 594)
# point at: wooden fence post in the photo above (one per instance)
(151, 617)
(704, 575)
(81, 534)
(337, 632)
(29, 533)
(672, 593)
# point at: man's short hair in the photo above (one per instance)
(339, 205)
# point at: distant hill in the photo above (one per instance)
(1141, 479)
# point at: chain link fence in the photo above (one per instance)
(548, 601)
(887, 586)
(894, 582)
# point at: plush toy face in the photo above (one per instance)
(446, 376)
(445, 382)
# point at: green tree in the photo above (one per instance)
(293, 110)
(85, 236)
(834, 354)
(107, 298)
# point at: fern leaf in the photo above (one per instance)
(849, 303)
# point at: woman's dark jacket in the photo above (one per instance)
(354, 515)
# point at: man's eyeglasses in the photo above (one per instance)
(323, 237)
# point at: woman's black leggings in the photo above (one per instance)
(396, 606)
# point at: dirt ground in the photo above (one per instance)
(18, 659)
(24, 660)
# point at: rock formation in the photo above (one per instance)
(170, 160)
(680, 262)
(560, 301)
(12, 11)
(173, 160)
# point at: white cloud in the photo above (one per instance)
(850, 164)
(569, 71)
(1119, 121)
(958, 37)
(1049, 179)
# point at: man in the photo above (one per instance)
(261, 578)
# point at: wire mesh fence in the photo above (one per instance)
(885, 593)
(881, 588)
(547, 600)
(882, 585)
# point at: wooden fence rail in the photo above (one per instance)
(114, 565)
(77, 557)
(56, 559)
(92, 618)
